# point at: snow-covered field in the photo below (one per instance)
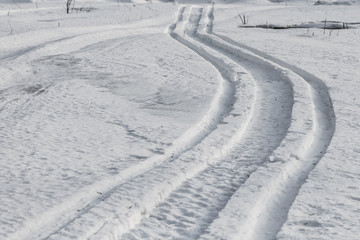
(152, 120)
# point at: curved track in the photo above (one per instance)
(192, 207)
(267, 127)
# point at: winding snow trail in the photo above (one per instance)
(268, 125)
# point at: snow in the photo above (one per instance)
(133, 120)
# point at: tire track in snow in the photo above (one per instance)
(65, 215)
(279, 183)
(128, 203)
(191, 208)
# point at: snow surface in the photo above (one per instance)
(152, 120)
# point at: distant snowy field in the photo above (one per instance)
(186, 120)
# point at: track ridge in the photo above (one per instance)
(198, 206)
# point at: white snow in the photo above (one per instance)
(153, 120)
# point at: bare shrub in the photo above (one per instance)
(68, 5)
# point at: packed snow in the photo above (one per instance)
(225, 119)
